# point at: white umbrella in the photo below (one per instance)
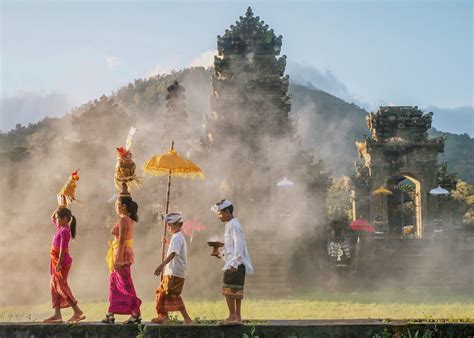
(285, 183)
(439, 191)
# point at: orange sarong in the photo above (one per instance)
(61, 293)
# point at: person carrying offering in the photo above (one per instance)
(237, 261)
(61, 293)
(173, 268)
(122, 296)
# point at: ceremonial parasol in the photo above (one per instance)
(382, 191)
(285, 183)
(362, 225)
(439, 191)
(171, 164)
(190, 226)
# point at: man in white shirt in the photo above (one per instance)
(168, 295)
(237, 261)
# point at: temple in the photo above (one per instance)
(249, 86)
(175, 115)
(397, 157)
(252, 138)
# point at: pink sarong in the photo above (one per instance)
(123, 299)
(61, 293)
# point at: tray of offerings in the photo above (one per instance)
(215, 247)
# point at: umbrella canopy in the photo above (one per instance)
(439, 191)
(362, 225)
(192, 225)
(173, 163)
(285, 183)
(382, 191)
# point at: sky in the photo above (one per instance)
(58, 54)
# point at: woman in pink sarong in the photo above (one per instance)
(122, 296)
(61, 293)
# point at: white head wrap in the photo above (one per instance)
(173, 217)
(221, 205)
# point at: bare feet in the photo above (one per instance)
(188, 322)
(160, 320)
(231, 320)
(53, 319)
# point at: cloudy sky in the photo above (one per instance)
(58, 54)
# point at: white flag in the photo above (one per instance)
(128, 143)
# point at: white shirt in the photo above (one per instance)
(235, 248)
(177, 266)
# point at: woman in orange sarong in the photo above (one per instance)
(61, 261)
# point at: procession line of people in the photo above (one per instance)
(123, 298)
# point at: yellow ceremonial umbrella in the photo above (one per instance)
(382, 191)
(171, 164)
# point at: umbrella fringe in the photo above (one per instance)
(174, 173)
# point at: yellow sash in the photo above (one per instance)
(113, 246)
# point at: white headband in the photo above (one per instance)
(221, 205)
(174, 217)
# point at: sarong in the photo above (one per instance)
(233, 283)
(113, 247)
(168, 295)
(123, 299)
(61, 294)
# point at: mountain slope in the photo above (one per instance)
(325, 123)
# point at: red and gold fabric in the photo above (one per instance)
(233, 283)
(61, 293)
(168, 295)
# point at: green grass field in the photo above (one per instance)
(313, 306)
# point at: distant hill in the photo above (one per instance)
(325, 123)
(458, 153)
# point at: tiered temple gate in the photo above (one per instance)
(398, 151)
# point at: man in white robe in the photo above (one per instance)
(237, 261)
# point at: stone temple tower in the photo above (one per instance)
(175, 123)
(249, 99)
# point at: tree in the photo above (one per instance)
(103, 122)
(464, 199)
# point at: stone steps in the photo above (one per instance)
(270, 278)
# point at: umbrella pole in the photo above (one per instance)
(167, 205)
(357, 253)
(164, 223)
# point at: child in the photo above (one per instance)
(60, 264)
(168, 295)
(237, 261)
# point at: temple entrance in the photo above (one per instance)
(404, 206)
(400, 157)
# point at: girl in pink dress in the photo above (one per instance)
(122, 296)
(61, 261)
